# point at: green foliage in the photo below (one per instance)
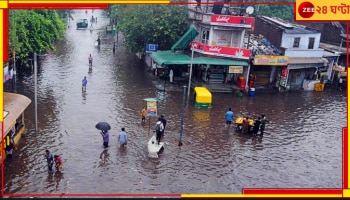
(165, 24)
(278, 9)
(34, 31)
(282, 11)
(156, 24)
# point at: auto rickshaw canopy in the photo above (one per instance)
(202, 95)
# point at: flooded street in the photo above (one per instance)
(301, 147)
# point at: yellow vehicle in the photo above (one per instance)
(202, 98)
(14, 127)
(239, 123)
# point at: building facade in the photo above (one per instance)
(301, 46)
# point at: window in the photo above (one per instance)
(311, 43)
(296, 42)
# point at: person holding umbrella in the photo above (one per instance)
(104, 127)
(105, 136)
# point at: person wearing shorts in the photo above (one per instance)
(229, 117)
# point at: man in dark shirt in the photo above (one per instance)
(257, 124)
(164, 121)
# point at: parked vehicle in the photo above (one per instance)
(13, 123)
(202, 97)
(83, 23)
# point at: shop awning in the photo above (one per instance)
(170, 58)
(174, 58)
(185, 40)
(305, 60)
(15, 105)
(218, 61)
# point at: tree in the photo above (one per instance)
(282, 11)
(34, 31)
(156, 24)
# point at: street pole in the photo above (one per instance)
(182, 114)
(189, 79)
(117, 37)
(164, 84)
(14, 63)
(35, 92)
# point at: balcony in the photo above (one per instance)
(222, 19)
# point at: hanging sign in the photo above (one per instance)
(151, 107)
(151, 48)
(235, 69)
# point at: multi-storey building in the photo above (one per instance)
(222, 34)
(304, 59)
(216, 40)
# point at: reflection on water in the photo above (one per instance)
(104, 158)
(301, 147)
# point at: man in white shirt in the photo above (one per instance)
(122, 137)
(340, 84)
(159, 129)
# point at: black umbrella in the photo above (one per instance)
(103, 126)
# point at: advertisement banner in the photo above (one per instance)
(232, 52)
(284, 72)
(151, 109)
(239, 21)
(271, 60)
(284, 77)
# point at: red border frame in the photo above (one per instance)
(247, 191)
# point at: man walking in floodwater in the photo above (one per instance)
(229, 117)
(262, 126)
(90, 60)
(159, 130)
(105, 136)
(49, 159)
(143, 114)
(257, 124)
(84, 83)
(164, 121)
(123, 138)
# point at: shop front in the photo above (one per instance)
(301, 71)
(266, 69)
(220, 70)
(207, 69)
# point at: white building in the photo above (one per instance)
(301, 47)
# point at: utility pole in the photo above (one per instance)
(182, 114)
(35, 92)
(189, 78)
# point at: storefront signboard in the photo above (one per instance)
(284, 77)
(231, 52)
(271, 60)
(235, 69)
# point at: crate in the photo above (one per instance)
(319, 87)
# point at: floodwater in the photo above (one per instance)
(301, 148)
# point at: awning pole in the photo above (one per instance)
(189, 79)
